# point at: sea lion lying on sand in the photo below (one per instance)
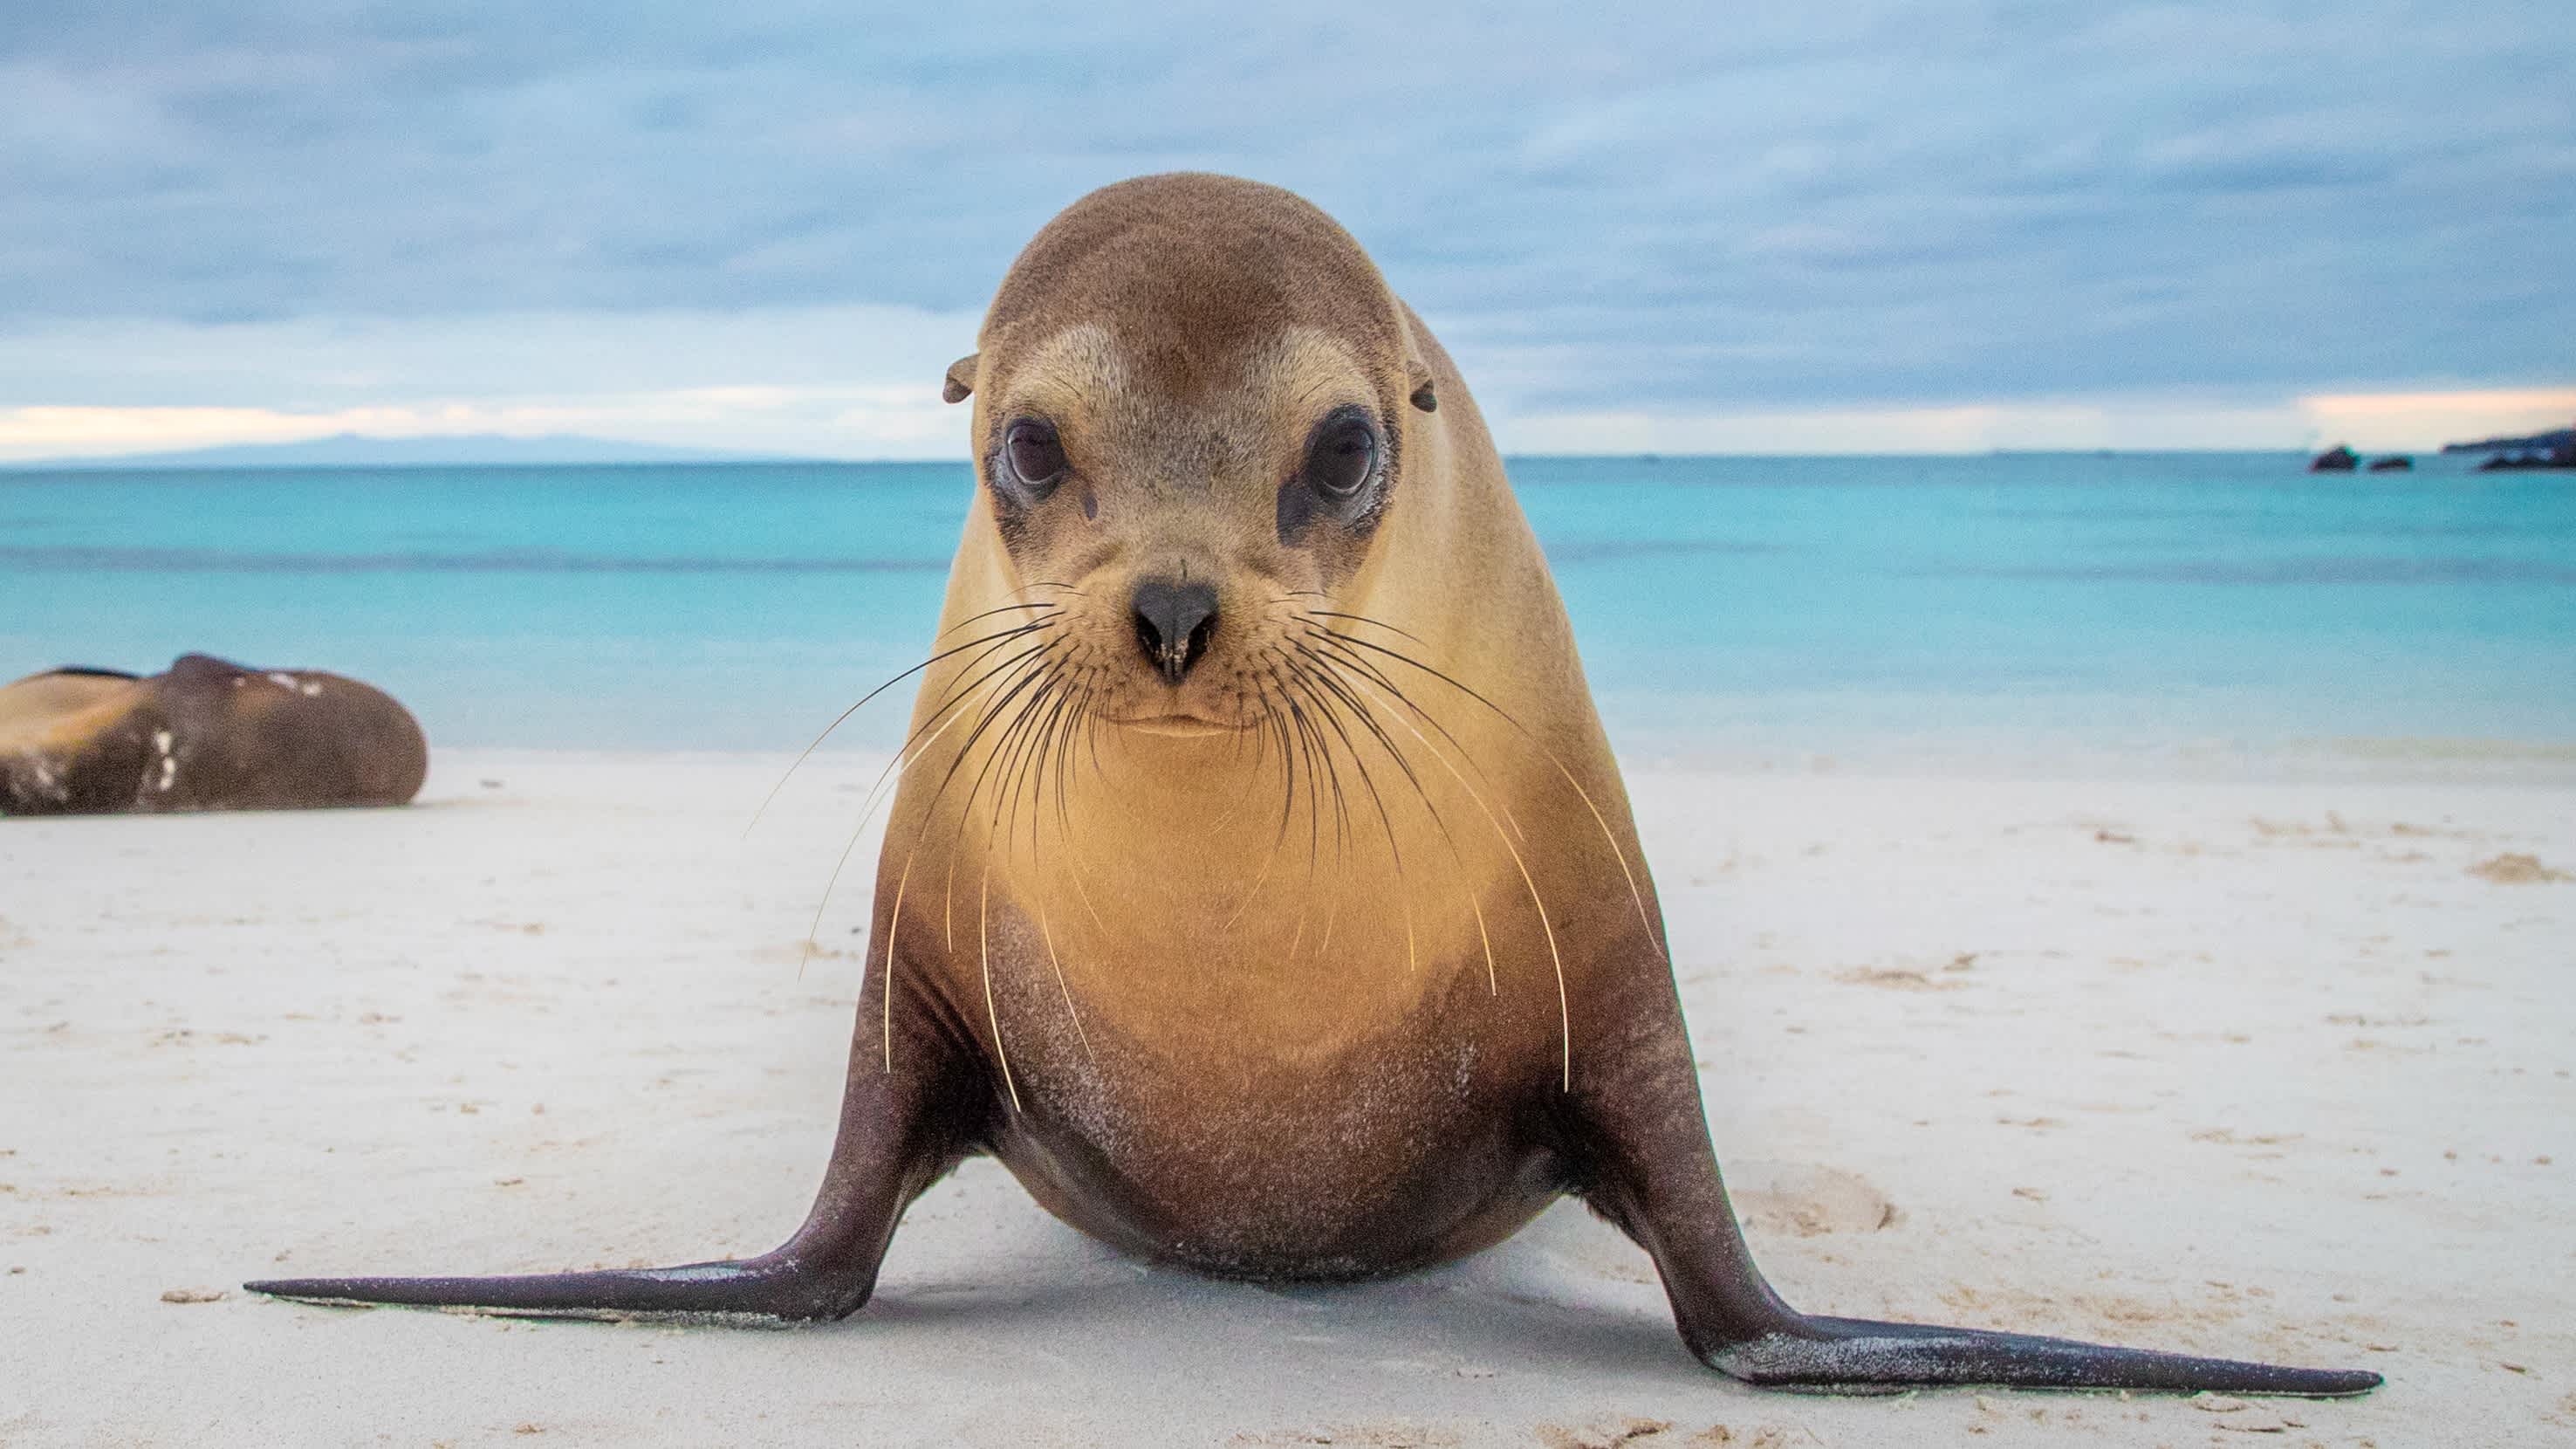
(207, 735)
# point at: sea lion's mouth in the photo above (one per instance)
(1180, 726)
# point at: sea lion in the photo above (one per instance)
(1259, 887)
(205, 735)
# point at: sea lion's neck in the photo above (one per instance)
(1216, 886)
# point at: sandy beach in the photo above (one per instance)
(2269, 1070)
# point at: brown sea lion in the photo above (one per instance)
(1259, 886)
(206, 735)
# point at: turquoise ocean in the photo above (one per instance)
(2107, 608)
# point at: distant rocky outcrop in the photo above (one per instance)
(2393, 463)
(2535, 443)
(2337, 459)
(2555, 449)
(2562, 456)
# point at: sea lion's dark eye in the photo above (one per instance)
(1342, 458)
(1033, 455)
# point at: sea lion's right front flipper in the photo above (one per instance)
(907, 1118)
(1638, 1146)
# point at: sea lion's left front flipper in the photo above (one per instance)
(1639, 1146)
(907, 1118)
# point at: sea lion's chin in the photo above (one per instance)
(1180, 727)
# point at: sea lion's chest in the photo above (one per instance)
(1256, 1124)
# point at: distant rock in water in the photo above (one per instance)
(2535, 443)
(2512, 455)
(2338, 459)
(2560, 457)
(206, 735)
(2393, 463)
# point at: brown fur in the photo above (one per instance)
(206, 735)
(1342, 1023)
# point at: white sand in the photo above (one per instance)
(2232, 1068)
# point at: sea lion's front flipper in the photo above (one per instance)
(774, 1285)
(74, 741)
(1636, 1140)
(907, 1118)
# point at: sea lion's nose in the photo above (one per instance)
(1173, 622)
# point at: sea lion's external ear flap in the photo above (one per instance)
(1418, 373)
(961, 379)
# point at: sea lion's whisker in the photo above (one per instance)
(1079, 718)
(1342, 831)
(1049, 770)
(1033, 771)
(923, 736)
(1259, 878)
(984, 886)
(1036, 772)
(1331, 711)
(894, 770)
(1493, 985)
(901, 765)
(1288, 769)
(1398, 655)
(971, 619)
(1331, 715)
(930, 729)
(1064, 760)
(1292, 750)
(1556, 958)
(1007, 608)
(1307, 742)
(843, 718)
(1091, 746)
(894, 922)
(1047, 930)
(1077, 697)
(928, 733)
(1365, 619)
(966, 751)
(1270, 721)
(1314, 817)
(1324, 708)
(1333, 776)
(1017, 744)
(1329, 677)
(1013, 754)
(1340, 826)
(1322, 778)
(1335, 644)
(984, 948)
(1619, 853)
(966, 810)
(1080, 889)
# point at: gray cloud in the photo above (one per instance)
(1677, 208)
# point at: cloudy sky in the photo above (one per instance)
(1687, 228)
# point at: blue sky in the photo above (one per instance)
(1678, 228)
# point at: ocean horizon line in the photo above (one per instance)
(144, 463)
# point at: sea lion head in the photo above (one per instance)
(1193, 396)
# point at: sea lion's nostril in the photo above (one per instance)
(1174, 621)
